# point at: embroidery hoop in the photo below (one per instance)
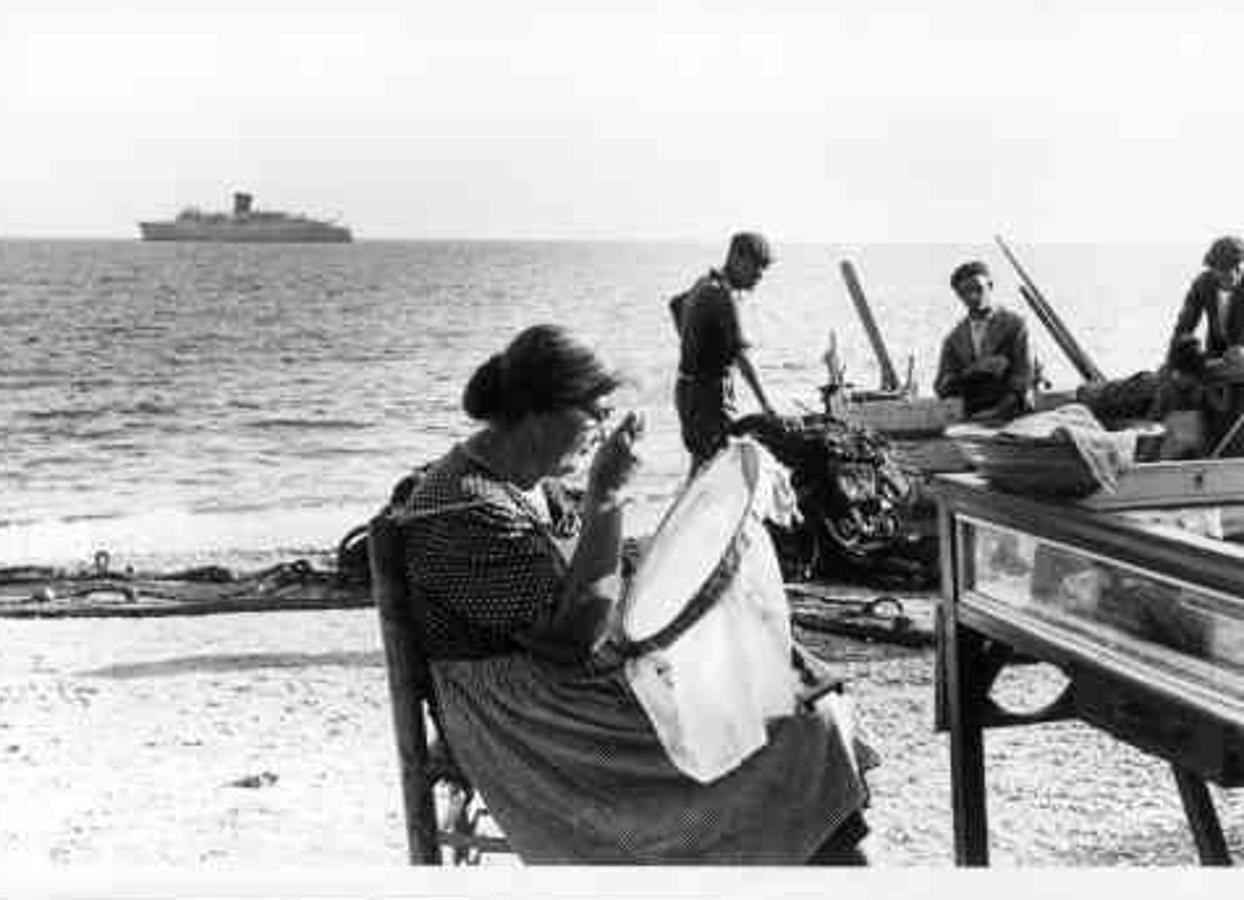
(694, 554)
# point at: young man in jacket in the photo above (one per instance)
(985, 359)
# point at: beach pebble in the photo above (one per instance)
(263, 779)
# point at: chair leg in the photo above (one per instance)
(842, 848)
(456, 821)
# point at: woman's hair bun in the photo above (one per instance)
(544, 369)
(484, 397)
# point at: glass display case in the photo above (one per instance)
(1164, 631)
(1137, 598)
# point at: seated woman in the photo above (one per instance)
(552, 737)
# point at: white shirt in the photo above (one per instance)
(976, 327)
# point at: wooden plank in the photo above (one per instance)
(1185, 483)
(930, 455)
(917, 416)
(889, 378)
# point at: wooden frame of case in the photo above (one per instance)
(1151, 699)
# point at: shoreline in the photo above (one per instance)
(174, 539)
(265, 740)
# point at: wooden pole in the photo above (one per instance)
(1056, 329)
(1045, 312)
(889, 378)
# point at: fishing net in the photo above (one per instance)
(855, 501)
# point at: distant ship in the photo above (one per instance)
(245, 225)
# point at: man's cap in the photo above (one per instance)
(754, 245)
(968, 270)
(1225, 253)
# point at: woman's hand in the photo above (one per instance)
(582, 612)
(615, 462)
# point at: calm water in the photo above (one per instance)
(182, 402)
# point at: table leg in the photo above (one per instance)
(967, 756)
(1211, 846)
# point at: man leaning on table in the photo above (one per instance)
(985, 359)
(1199, 412)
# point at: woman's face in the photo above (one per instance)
(569, 435)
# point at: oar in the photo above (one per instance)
(1045, 312)
(1052, 324)
(889, 378)
(1055, 326)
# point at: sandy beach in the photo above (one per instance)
(263, 740)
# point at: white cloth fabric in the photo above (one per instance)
(976, 329)
(710, 694)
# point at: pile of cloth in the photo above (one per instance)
(1061, 452)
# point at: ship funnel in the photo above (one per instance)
(241, 203)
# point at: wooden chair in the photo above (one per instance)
(441, 807)
(450, 817)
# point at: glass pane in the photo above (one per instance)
(1150, 618)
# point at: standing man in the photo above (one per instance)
(712, 346)
(985, 358)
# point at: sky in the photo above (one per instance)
(818, 121)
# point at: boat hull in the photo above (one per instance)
(246, 233)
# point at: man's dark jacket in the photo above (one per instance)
(1202, 300)
(1006, 334)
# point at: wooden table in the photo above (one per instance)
(1145, 619)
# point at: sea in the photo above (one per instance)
(180, 404)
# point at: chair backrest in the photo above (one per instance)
(409, 683)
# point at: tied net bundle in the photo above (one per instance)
(855, 502)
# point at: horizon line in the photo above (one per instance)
(620, 239)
